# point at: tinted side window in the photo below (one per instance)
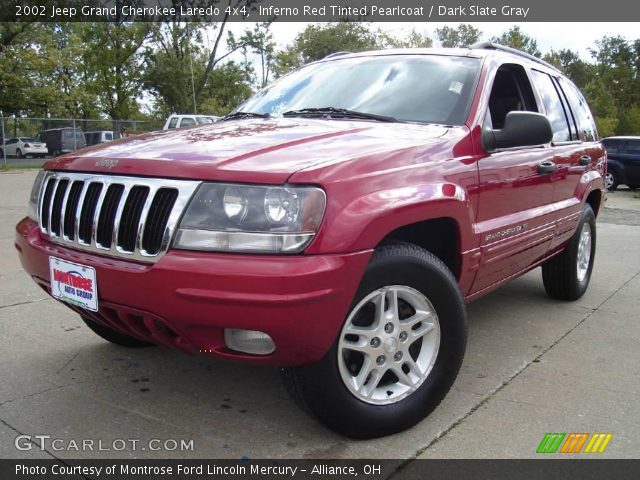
(173, 122)
(633, 147)
(187, 122)
(612, 146)
(553, 107)
(108, 136)
(586, 125)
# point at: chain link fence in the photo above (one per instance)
(58, 134)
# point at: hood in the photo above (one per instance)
(254, 150)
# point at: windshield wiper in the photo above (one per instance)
(236, 115)
(338, 112)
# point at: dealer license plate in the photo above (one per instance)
(74, 283)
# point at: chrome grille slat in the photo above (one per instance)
(76, 226)
(88, 214)
(51, 201)
(71, 210)
(63, 208)
(116, 224)
(96, 215)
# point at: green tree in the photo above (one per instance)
(603, 107)
(319, 40)
(113, 56)
(259, 42)
(413, 39)
(168, 62)
(464, 35)
(226, 89)
(579, 71)
(516, 38)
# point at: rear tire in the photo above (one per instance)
(422, 302)
(566, 276)
(113, 336)
(611, 180)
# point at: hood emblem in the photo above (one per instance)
(106, 163)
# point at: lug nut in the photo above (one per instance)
(388, 327)
(403, 336)
(397, 356)
(375, 342)
(380, 360)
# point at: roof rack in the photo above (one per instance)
(497, 46)
(336, 54)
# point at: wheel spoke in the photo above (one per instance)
(368, 389)
(403, 378)
(362, 345)
(380, 303)
(393, 309)
(413, 366)
(419, 316)
(421, 331)
(362, 332)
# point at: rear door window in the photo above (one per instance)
(587, 131)
(173, 122)
(554, 107)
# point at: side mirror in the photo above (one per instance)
(521, 129)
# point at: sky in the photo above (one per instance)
(550, 35)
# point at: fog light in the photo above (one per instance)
(248, 341)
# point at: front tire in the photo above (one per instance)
(566, 276)
(19, 153)
(114, 336)
(398, 352)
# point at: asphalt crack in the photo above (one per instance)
(24, 303)
(506, 382)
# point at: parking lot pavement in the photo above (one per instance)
(533, 365)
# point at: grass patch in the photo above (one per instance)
(20, 166)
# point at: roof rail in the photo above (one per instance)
(336, 54)
(497, 46)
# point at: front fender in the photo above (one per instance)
(365, 221)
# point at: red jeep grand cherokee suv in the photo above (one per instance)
(335, 224)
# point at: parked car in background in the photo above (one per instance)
(623, 162)
(97, 137)
(179, 121)
(62, 140)
(23, 147)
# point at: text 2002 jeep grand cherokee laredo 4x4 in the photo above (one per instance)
(334, 225)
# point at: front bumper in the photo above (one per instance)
(187, 299)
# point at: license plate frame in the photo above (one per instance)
(74, 283)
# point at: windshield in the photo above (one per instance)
(204, 120)
(418, 88)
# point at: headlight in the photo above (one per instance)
(35, 196)
(250, 218)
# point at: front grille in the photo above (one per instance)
(126, 217)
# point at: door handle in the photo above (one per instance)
(547, 167)
(584, 160)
